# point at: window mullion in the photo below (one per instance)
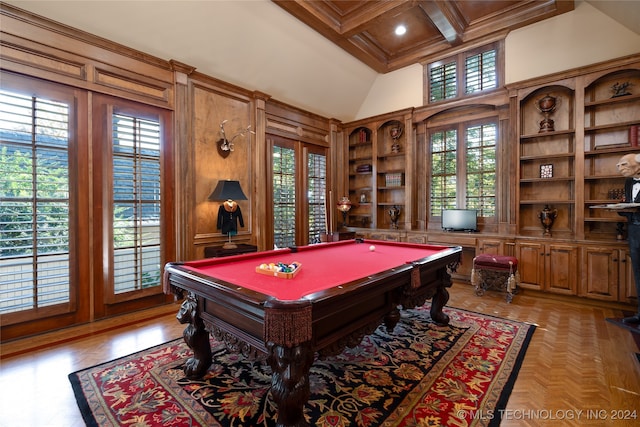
(461, 199)
(34, 203)
(137, 211)
(461, 73)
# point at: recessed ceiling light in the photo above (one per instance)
(400, 30)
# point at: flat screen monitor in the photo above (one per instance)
(459, 220)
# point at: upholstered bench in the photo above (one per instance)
(495, 272)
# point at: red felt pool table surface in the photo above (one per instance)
(324, 266)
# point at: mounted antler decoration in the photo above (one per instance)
(225, 145)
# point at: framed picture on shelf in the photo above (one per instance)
(546, 171)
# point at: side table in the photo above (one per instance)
(219, 251)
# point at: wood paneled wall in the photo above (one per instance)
(211, 103)
(37, 47)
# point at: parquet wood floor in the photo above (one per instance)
(580, 370)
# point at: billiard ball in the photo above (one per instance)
(372, 248)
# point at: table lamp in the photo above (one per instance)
(344, 205)
(229, 213)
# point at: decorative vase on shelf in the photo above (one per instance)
(394, 214)
(395, 132)
(547, 217)
(620, 89)
(547, 105)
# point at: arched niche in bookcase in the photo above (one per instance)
(390, 172)
(361, 170)
(547, 152)
(611, 124)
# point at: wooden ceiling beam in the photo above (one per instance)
(447, 19)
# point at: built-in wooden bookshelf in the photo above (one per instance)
(561, 155)
(609, 122)
(377, 153)
(547, 147)
(569, 165)
(361, 177)
(391, 149)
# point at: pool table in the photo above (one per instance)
(342, 291)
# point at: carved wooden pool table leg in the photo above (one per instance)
(196, 337)
(439, 300)
(290, 381)
(391, 319)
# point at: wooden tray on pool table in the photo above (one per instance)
(280, 274)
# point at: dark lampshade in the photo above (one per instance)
(227, 190)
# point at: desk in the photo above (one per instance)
(342, 292)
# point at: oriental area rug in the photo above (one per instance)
(421, 374)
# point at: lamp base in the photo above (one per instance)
(229, 245)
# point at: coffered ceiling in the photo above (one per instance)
(261, 45)
(365, 28)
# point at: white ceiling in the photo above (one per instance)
(250, 43)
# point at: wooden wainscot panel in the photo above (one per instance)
(453, 238)
(285, 128)
(22, 56)
(628, 292)
(391, 236)
(417, 237)
(211, 105)
(531, 264)
(490, 246)
(600, 272)
(316, 135)
(562, 269)
(133, 83)
(291, 122)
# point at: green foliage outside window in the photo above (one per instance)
(34, 183)
(481, 169)
(479, 162)
(444, 171)
(34, 202)
(284, 197)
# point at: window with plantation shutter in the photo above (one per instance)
(284, 197)
(467, 73)
(136, 203)
(480, 72)
(442, 82)
(463, 168)
(34, 202)
(444, 171)
(299, 175)
(316, 191)
(480, 162)
(80, 205)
